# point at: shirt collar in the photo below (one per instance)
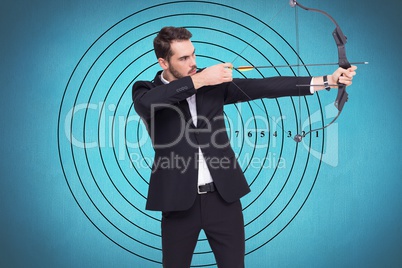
(163, 79)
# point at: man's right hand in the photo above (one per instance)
(214, 75)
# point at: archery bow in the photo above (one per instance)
(340, 40)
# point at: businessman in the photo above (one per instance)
(196, 181)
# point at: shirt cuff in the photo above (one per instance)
(311, 87)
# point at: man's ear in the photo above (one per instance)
(163, 63)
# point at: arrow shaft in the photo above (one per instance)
(247, 68)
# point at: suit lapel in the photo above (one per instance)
(183, 106)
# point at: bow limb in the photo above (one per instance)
(343, 62)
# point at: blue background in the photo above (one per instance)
(352, 217)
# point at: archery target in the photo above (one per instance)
(106, 154)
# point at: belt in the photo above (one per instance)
(206, 188)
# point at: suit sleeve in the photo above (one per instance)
(273, 87)
(146, 96)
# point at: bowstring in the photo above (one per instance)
(259, 33)
(298, 62)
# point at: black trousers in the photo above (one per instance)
(222, 223)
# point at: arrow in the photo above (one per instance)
(250, 67)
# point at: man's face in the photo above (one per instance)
(182, 63)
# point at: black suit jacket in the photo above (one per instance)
(165, 111)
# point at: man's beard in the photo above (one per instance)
(177, 75)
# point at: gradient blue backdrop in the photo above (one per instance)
(353, 216)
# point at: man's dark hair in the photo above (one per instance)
(165, 37)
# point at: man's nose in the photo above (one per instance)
(193, 60)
